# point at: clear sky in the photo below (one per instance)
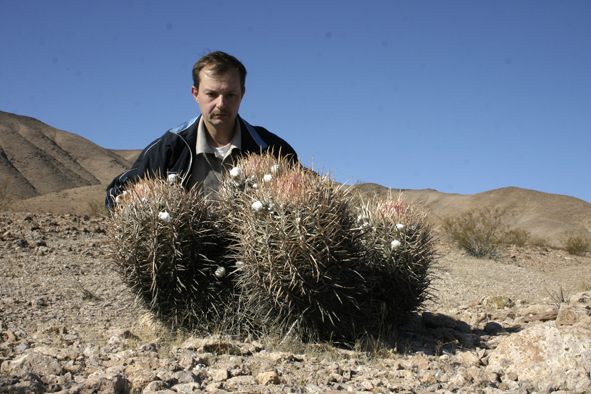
(457, 96)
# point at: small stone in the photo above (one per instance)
(156, 386)
(470, 358)
(187, 388)
(220, 375)
(266, 378)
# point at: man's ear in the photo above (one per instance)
(243, 91)
(195, 93)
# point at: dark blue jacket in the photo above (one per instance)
(174, 153)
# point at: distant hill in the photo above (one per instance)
(129, 155)
(544, 215)
(40, 159)
(56, 171)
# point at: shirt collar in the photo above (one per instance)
(203, 147)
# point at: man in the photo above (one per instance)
(200, 150)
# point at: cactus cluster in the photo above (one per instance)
(281, 248)
(167, 245)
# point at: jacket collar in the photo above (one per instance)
(251, 140)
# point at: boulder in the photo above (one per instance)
(32, 363)
(550, 357)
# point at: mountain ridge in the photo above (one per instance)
(40, 159)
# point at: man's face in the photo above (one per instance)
(219, 98)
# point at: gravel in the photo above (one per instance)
(60, 298)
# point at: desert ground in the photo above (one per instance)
(61, 300)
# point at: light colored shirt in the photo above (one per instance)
(207, 167)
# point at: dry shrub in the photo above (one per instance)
(479, 231)
(96, 208)
(575, 244)
(5, 194)
(516, 236)
(169, 250)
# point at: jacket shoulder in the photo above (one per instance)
(260, 138)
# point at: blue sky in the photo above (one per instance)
(457, 96)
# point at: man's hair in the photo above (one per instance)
(219, 63)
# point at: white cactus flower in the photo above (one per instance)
(172, 178)
(400, 226)
(144, 199)
(164, 216)
(275, 169)
(255, 186)
(257, 206)
(235, 172)
(396, 244)
(267, 178)
(118, 199)
(220, 272)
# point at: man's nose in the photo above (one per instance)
(221, 101)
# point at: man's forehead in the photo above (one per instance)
(230, 78)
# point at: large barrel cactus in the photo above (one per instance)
(296, 246)
(169, 249)
(400, 252)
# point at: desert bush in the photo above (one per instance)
(575, 244)
(399, 255)
(167, 246)
(96, 208)
(537, 241)
(295, 238)
(515, 236)
(479, 231)
(5, 194)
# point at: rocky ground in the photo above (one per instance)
(67, 324)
